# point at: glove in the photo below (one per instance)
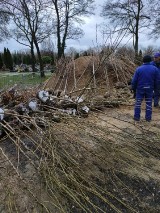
(132, 91)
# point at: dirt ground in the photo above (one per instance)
(123, 165)
(103, 162)
(123, 117)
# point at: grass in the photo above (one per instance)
(24, 79)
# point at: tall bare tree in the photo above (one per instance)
(33, 25)
(155, 11)
(4, 20)
(130, 15)
(48, 46)
(69, 15)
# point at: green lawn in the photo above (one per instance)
(23, 79)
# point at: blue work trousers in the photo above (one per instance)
(147, 94)
(156, 97)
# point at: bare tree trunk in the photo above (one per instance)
(33, 58)
(40, 59)
(137, 31)
(60, 51)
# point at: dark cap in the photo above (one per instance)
(147, 58)
(156, 55)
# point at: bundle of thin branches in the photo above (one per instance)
(80, 167)
(75, 76)
(84, 166)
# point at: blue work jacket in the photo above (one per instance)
(158, 78)
(145, 77)
(155, 64)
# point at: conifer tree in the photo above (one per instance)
(1, 61)
(27, 59)
(5, 57)
(15, 58)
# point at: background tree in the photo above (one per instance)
(9, 63)
(149, 50)
(9, 60)
(132, 16)
(33, 25)
(47, 46)
(5, 59)
(73, 53)
(17, 58)
(27, 59)
(155, 11)
(125, 52)
(48, 49)
(140, 57)
(4, 20)
(69, 15)
(1, 61)
(46, 59)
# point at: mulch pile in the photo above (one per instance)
(90, 72)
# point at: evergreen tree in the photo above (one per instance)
(9, 64)
(27, 59)
(5, 57)
(24, 59)
(19, 58)
(53, 58)
(1, 61)
(85, 53)
(76, 56)
(15, 58)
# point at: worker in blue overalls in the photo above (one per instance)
(156, 63)
(144, 83)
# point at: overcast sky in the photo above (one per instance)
(92, 38)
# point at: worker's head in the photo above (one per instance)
(147, 58)
(157, 57)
